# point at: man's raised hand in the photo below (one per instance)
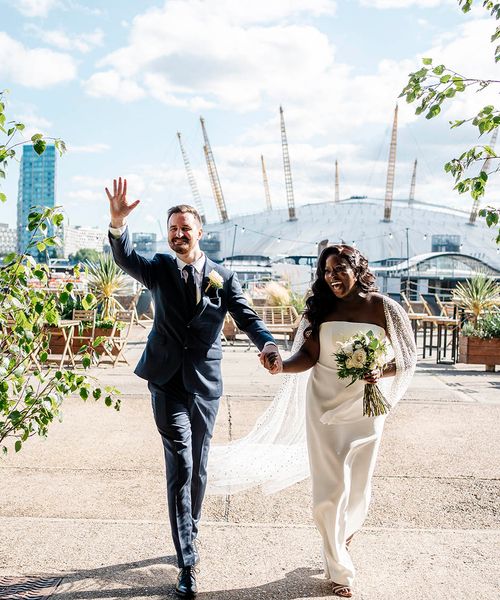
(119, 208)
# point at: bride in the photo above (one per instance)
(342, 444)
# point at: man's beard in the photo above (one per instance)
(179, 245)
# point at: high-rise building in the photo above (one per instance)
(37, 176)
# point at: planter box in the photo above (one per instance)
(56, 345)
(478, 351)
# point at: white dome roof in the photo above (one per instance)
(358, 220)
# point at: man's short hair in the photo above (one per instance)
(184, 208)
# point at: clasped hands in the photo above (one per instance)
(271, 360)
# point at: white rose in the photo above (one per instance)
(347, 348)
(359, 358)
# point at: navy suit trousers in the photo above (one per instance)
(185, 422)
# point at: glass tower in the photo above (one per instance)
(37, 176)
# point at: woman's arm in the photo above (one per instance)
(305, 358)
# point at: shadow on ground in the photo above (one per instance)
(156, 578)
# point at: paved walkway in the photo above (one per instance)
(87, 504)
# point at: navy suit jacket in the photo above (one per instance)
(180, 340)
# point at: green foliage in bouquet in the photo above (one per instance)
(356, 357)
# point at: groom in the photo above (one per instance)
(181, 362)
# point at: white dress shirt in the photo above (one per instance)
(198, 265)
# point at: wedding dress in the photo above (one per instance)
(343, 446)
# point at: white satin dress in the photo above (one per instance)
(343, 446)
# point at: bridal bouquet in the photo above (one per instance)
(356, 357)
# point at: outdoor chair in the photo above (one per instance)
(416, 316)
(115, 344)
(140, 304)
(280, 319)
(444, 325)
(84, 334)
(447, 308)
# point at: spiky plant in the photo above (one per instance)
(277, 294)
(477, 294)
(105, 280)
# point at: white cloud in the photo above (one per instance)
(87, 180)
(34, 123)
(77, 196)
(96, 148)
(110, 83)
(243, 62)
(35, 8)
(384, 4)
(470, 53)
(34, 67)
(41, 8)
(83, 42)
(197, 54)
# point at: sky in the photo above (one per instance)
(118, 79)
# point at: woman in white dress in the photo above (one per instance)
(342, 443)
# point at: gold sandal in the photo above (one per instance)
(344, 591)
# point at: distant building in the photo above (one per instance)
(37, 175)
(8, 239)
(78, 238)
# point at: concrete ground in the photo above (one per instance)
(88, 503)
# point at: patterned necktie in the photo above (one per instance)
(190, 287)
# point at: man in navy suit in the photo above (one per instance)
(181, 362)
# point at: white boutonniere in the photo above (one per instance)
(215, 280)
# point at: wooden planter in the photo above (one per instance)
(478, 351)
(56, 345)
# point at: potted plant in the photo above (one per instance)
(480, 343)
(478, 294)
(479, 340)
(105, 280)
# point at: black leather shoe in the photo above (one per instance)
(186, 583)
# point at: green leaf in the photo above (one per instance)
(427, 61)
(40, 246)
(86, 364)
(18, 445)
(88, 301)
(84, 393)
(3, 197)
(58, 219)
(433, 111)
(44, 356)
(36, 137)
(39, 146)
(439, 70)
(60, 146)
